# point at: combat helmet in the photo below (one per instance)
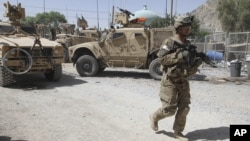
(183, 20)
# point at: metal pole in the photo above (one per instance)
(171, 13)
(97, 15)
(44, 6)
(112, 19)
(166, 14)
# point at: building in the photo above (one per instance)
(145, 13)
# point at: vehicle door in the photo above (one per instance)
(117, 42)
(138, 44)
(138, 48)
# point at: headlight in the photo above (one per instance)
(56, 51)
(13, 52)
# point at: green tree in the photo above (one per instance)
(45, 18)
(29, 20)
(196, 33)
(160, 22)
(195, 27)
(234, 15)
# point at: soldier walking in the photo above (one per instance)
(177, 65)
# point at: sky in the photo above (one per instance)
(92, 9)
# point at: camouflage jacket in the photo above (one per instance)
(172, 61)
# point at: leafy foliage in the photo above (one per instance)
(196, 33)
(46, 18)
(234, 15)
(160, 22)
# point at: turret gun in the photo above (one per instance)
(14, 13)
(123, 17)
(126, 12)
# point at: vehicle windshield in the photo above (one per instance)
(6, 29)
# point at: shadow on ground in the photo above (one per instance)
(142, 75)
(124, 74)
(169, 134)
(5, 138)
(217, 133)
(38, 81)
(198, 77)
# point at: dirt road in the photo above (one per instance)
(115, 106)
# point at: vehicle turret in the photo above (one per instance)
(15, 14)
(123, 16)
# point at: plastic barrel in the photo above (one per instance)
(235, 68)
(214, 56)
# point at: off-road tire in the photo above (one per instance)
(87, 65)
(6, 77)
(54, 74)
(154, 69)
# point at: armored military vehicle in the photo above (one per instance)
(132, 46)
(22, 51)
(68, 36)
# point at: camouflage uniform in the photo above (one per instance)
(175, 90)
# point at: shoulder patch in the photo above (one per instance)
(165, 47)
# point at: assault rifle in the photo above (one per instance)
(192, 50)
(202, 55)
(126, 11)
(205, 59)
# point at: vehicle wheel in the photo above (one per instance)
(54, 74)
(87, 65)
(154, 69)
(6, 77)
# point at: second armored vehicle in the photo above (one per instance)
(132, 46)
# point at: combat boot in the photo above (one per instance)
(154, 122)
(180, 136)
(155, 117)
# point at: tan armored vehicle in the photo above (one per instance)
(124, 47)
(69, 37)
(22, 51)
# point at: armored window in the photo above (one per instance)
(138, 35)
(82, 34)
(6, 29)
(28, 29)
(94, 35)
(118, 35)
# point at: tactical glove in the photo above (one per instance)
(185, 53)
(197, 61)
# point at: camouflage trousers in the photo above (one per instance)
(175, 99)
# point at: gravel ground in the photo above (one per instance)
(116, 106)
